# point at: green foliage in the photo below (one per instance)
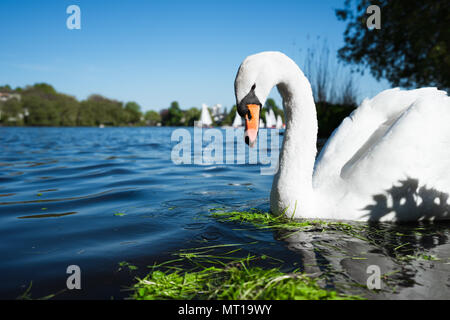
(10, 111)
(98, 110)
(191, 115)
(173, 116)
(205, 275)
(412, 48)
(233, 282)
(68, 113)
(270, 103)
(330, 116)
(133, 112)
(43, 112)
(260, 219)
(152, 118)
(229, 118)
(5, 88)
(124, 265)
(265, 220)
(42, 105)
(44, 89)
(158, 286)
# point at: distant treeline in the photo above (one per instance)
(41, 105)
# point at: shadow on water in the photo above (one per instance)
(414, 258)
(408, 199)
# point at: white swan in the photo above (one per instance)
(388, 161)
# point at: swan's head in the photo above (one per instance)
(256, 77)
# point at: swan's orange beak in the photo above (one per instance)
(252, 124)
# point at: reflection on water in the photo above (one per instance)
(414, 259)
(97, 197)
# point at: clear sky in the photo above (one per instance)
(155, 52)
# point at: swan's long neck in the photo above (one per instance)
(292, 186)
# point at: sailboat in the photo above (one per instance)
(205, 117)
(279, 124)
(237, 121)
(261, 123)
(271, 121)
(268, 120)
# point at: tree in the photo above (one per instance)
(270, 103)
(191, 115)
(68, 108)
(173, 116)
(229, 118)
(11, 112)
(412, 48)
(152, 118)
(41, 105)
(5, 88)
(43, 112)
(98, 110)
(331, 115)
(133, 111)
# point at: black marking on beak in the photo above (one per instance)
(250, 98)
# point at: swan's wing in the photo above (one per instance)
(413, 151)
(363, 128)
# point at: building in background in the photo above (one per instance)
(217, 114)
(5, 96)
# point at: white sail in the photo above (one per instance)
(261, 123)
(205, 118)
(273, 118)
(279, 122)
(271, 121)
(268, 120)
(237, 121)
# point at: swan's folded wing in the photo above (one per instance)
(363, 128)
(415, 146)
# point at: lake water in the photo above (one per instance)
(97, 197)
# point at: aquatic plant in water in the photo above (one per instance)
(234, 281)
(224, 276)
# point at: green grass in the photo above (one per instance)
(227, 276)
(27, 294)
(126, 266)
(233, 281)
(419, 256)
(220, 272)
(265, 220)
(203, 273)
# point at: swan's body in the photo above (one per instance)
(388, 161)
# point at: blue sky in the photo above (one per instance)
(155, 52)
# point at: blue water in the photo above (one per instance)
(96, 197)
(61, 188)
